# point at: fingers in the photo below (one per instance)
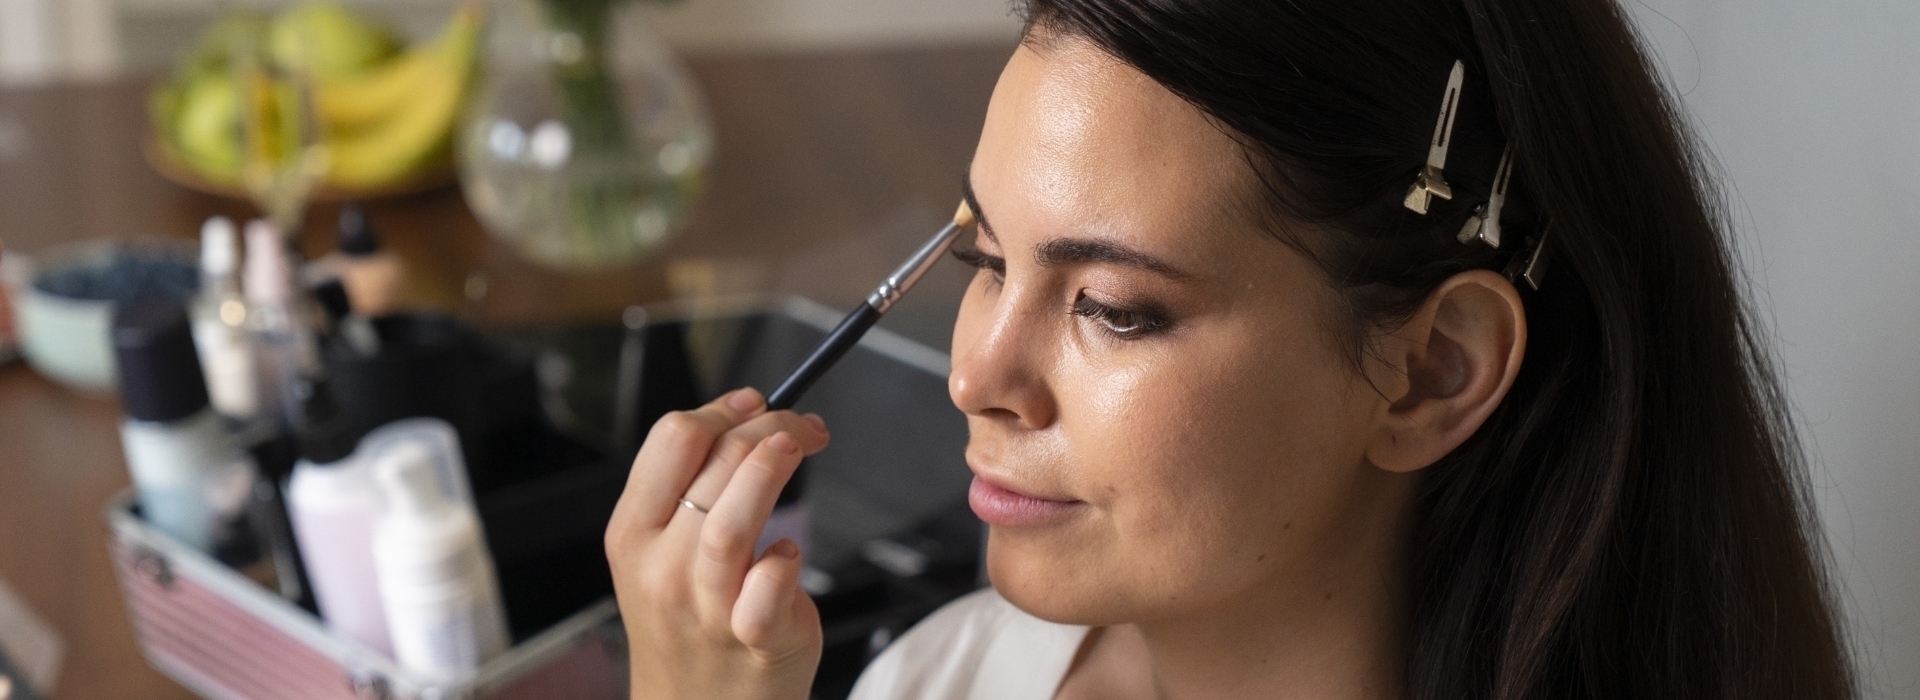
(732, 526)
(676, 448)
(732, 449)
(765, 616)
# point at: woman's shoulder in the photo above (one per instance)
(979, 646)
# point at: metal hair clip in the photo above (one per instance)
(1485, 222)
(1431, 182)
(1528, 266)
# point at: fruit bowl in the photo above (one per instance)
(170, 167)
(315, 93)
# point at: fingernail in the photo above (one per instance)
(819, 423)
(785, 549)
(744, 400)
(783, 443)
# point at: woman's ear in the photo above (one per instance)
(1450, 366)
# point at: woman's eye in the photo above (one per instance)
(1123, 323)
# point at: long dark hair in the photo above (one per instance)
(1632, 522)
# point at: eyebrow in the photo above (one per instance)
(973, 202)
(1068, 251)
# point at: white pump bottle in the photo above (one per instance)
(443, 605)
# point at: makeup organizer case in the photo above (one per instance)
(892, 538)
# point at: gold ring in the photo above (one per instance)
(695, 506)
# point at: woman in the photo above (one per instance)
(1256, 411)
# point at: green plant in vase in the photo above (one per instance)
(589, 142)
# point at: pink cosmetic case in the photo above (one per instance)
(225, 637)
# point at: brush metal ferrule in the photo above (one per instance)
(909, 272)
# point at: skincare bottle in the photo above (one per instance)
(443, 604)
(283, 340)
(333, 505)
(219, 322)
(371, 275)
(190, 475)
(345, 329)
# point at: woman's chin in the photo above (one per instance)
(1055, 588)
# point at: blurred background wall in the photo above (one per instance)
(1811, 111)
(43, 39)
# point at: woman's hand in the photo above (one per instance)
(705, 619)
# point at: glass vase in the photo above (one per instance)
(588, 139)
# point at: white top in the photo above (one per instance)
(979, 647)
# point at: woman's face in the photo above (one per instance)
(1163, 420)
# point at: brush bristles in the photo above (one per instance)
(964, 215)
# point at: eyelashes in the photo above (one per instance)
(1124, 323)
(975, 259)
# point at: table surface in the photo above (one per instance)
(829, 169)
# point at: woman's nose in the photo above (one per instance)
(998, 372)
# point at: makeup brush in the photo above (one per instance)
(845, 335)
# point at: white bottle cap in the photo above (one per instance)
(269, 277)
(407, 473)
(217, 256)
(437, 438)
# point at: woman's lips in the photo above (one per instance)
(998, 505)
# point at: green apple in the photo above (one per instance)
(207, 126)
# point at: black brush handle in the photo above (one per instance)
(838, 342)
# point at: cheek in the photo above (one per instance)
(1209, 459)
(1206, 419)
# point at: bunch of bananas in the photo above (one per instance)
(320, 86)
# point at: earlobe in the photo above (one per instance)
(1459, 355)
